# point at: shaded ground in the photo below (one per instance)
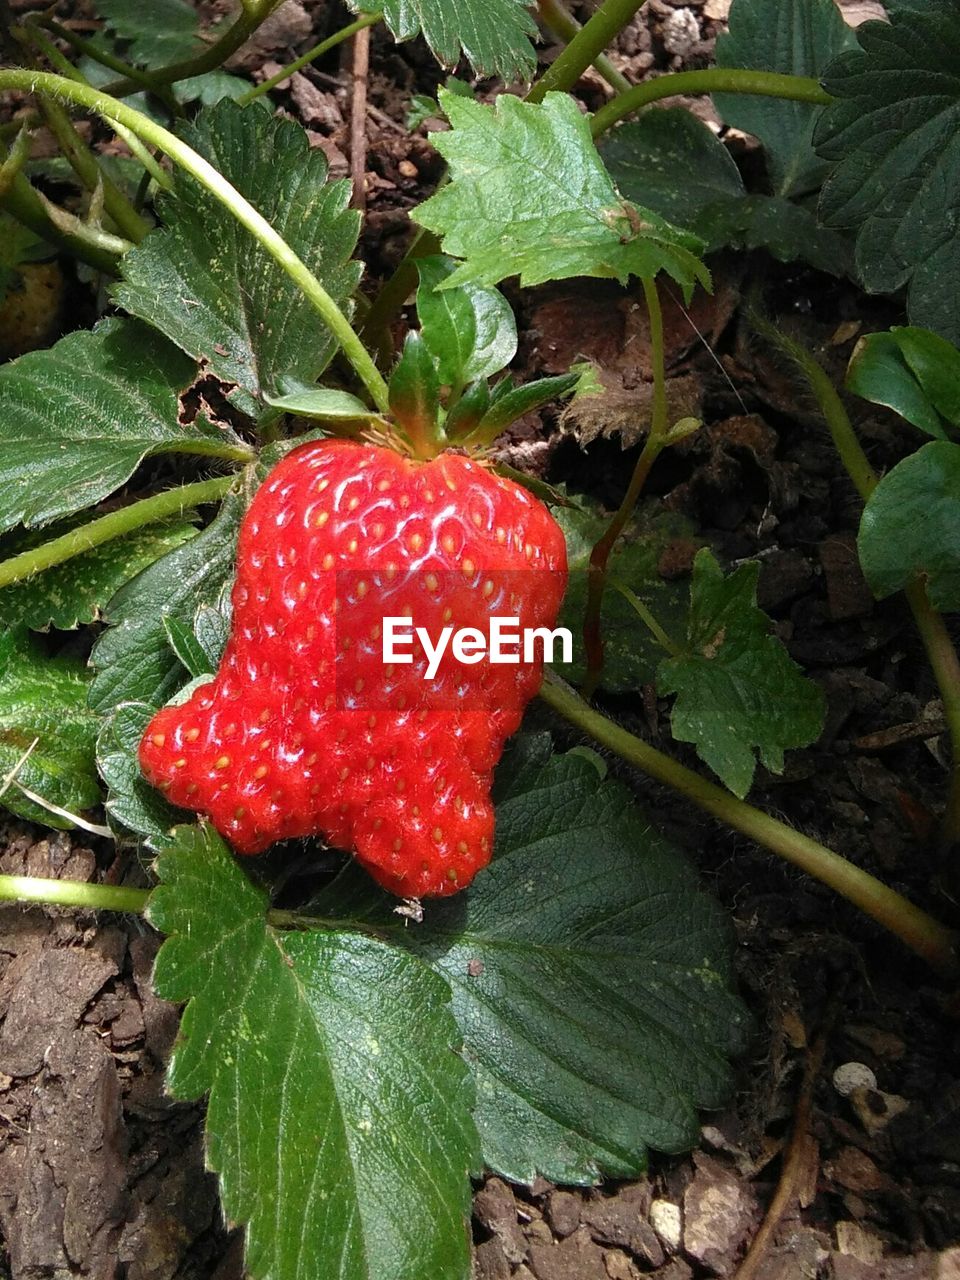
(101, 1175)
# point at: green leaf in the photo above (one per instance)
(471, 332)
(590, 977)
(520, 400)
(132, 804)
(631, 654)
(211, 87)
(133, 659)
(211, 627)
(79, 418)
(935, 363)
(529, 196)
(738, 691)
(324, 403)
(879, 373)
(205, 282)
(158, 33)
(494, 34)
(339, 1109)
(465, 415)
(671, 162)
(798, 37)
(911, 526)
(184, 643)
(894, 135)
(44, 717)
(77, 591)
(415, 389)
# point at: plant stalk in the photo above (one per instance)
(768, 84)
(318, 50)
(157, 136)
(557, 18)
(96, 53)
(73, 893)
(940, 650)
(942, 656)
(927, 937)
(585, 47)
(655, 442)
(114, 525)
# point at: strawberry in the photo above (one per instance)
(306, 729)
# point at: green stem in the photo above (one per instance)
(940, 650)
(942, 656)
(585, 47)
(930, 939)
(655, 442)
(14, 160)
(214, 182)
(251, 16)
(855, 461)
(96, 53)
(767, 84)
(114, 525)
(318, 50)
(558, 19)
(73, 893)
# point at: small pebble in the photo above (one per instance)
(853, 1075)
(665, 1220)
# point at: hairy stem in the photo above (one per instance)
(940, 650)
(855, 461)
(214, 182)
(557, 18)
(924, 935)
(767, 84)
(73, 893)
(944, 663)
(97, 53)
(318, 50)
(655, 442)
(585, 47)
(114, 525)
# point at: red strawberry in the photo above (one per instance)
(305, 730)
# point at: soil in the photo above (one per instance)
(101, 1175)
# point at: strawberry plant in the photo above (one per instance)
(221, 499)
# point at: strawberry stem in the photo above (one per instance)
(940, 649)
(586, 46)
(114, 525)
(766, 84)
(924, 935)
(252, 14)
(73, 893)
